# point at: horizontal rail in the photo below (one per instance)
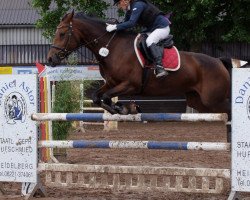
(135, 178)
(143, 100)
(93, 108)
(175, 171)
(194, 117)
(154, 100)
(93, 123)
(113, 144)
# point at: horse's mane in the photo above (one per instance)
(93, 18)
(89, 17)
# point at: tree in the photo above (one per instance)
(208, 20)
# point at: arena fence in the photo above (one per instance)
(134, 178)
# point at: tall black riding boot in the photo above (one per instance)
(157, 54)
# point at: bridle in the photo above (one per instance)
(64, 52)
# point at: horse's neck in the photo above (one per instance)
(93, 36)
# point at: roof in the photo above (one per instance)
(17, 12)
(20, 12)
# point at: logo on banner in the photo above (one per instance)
(15, 108)
(248, 107)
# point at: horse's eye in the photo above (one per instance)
(62, 35)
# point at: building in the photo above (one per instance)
(21, 43)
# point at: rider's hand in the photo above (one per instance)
(111, 27)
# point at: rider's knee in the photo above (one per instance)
(149, 42)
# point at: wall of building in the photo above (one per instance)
(23, 44)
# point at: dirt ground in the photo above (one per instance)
(177, 131)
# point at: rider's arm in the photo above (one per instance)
(137, 9)
(127, 17)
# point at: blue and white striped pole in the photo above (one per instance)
(113, 144)
(99, 117)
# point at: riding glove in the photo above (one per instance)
(111, 27)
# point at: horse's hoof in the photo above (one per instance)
(109, 109)
(123, 110)
(133, 108)
(120, 108)
(97, 101)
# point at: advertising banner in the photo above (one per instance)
(241, 130)
(18, 133)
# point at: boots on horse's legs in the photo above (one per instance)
(157, 54)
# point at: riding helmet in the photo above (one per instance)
(116, 1)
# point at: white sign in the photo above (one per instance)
(18, 133)
(241, 130)
(89, 72)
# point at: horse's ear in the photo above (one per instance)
(71, 15)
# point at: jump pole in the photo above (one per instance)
(159, 117)
(107, 125)
(119, 144)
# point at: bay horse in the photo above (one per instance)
(204, 80)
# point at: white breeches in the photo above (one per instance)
(157, 35)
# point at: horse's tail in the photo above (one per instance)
(230, 63)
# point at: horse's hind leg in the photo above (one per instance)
(225, 107)
(194, 101)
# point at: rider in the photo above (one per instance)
(144, 13)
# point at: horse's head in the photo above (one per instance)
(64, 42)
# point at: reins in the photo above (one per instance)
(95, 41)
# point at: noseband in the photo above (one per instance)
(63, 53)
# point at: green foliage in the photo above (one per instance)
(208, 20)
(64, 103)
(67, 100)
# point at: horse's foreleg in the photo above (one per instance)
(96, 96)
(97, 99)
(121, 89)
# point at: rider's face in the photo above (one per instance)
(123, 4)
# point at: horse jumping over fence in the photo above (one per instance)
(204, 80)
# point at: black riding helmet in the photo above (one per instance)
(116, 1)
